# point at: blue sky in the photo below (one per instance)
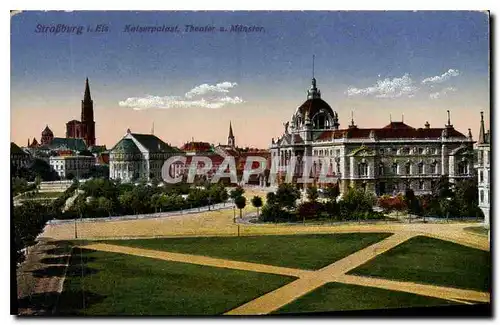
(271, 70)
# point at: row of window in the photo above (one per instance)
(463, 169)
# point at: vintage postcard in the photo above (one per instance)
(213, 163)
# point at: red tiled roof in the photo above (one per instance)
(395, 130)
(196, 146)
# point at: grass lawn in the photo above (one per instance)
(119, 284)
(295, 251)
(339, 296)
(432, 261)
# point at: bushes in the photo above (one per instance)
(274, 213)
(310, 210)
(355, 201)
(389, 203)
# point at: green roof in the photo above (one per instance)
(67, 143)
(153, 144)
(126, 146)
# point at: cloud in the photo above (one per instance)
(442, 78)
(190, 99)
(442, 93)
(387, 88)
(203, 89)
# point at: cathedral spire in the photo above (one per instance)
(86, 96)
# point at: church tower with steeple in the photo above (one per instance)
(85, 128)
(230, 139)
(88, 116)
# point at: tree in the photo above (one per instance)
(257, 202)
(467, 198)
(236, 192)
(443, 188)
(271, 198)
(354, 202)
(412, 202)
(312, 193)
(240, 202)
(332, 191)
(287, 196)
(105, 205)
(308, 210)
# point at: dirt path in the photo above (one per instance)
(421, 289)
(280, 297)
(40, 279)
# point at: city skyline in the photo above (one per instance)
(192, 84)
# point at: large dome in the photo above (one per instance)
(314, 106)
(315, 110)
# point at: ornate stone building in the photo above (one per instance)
(483, 171)
(382, 160)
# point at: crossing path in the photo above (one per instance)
(308, 280)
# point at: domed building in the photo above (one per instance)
(139, 157)
(382, 160)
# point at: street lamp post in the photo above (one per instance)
(448, 209)
(234, 214)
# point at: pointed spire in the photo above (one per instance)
(482, 134)
(86, 96)
(230, 130)
(352, 121)
(313, 66)
(449, 122)
(313, 92)
(28, 142)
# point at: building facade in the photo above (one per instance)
(384, 160)
(483, 171)
(139, 157)
(72, 166)
(18, 157)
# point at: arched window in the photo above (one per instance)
(321, 121)
(407, 169)
(463, 168)
(421, 168)
(363, 169)
(395, 168)
(381, 170)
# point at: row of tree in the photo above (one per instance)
(103, 198)
(282, 205)
(447, 199)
